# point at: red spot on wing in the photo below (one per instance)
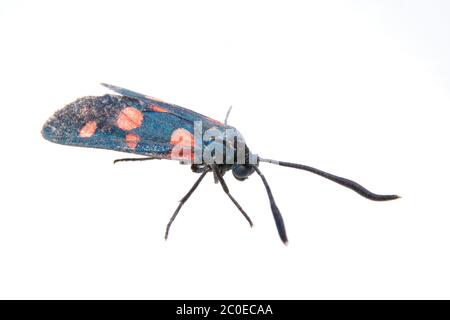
(183, 144)
(88, 129)
(132, 140)
(182, 137)
(157, 108)
(130, 118)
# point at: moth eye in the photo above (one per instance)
(88, 129)
(242, 172)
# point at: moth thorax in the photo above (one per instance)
(225, 147)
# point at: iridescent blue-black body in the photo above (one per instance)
(135, 123)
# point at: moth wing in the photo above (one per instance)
(119, 123)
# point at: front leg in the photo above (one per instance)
(219, 174)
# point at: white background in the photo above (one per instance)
(360, 89)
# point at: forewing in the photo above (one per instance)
(120, 123)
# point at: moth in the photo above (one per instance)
(136, 123)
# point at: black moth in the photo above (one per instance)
(139, 124)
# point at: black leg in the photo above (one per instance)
(134, 159)
(216, 179)
(276, 212)
(183, 200)
(227, 191)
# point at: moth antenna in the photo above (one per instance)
(340, 180)
(275, 211)
(227, 115)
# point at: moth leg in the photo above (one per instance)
(183, 200)
(220, 172)
(227, 191)
(216, 179)
(135, 159)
